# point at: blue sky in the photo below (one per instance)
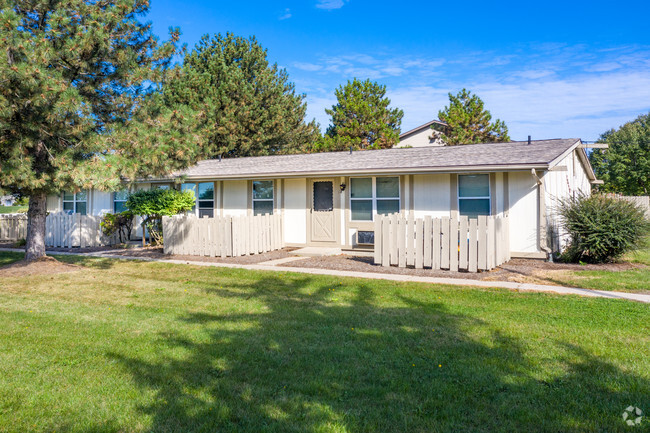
(548, 69)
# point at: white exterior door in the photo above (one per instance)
(323, 215)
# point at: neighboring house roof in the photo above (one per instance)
(420, 128)
(540, 154)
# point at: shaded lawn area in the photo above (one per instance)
(138, 347)
(633, 280)
(12, 209)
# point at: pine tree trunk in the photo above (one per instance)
(35, 242)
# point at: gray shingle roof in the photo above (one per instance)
(494, 156)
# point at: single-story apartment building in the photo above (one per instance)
(331, 199)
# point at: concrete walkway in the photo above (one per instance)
(271, 266)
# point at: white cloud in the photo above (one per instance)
(286, 15)
(546, 91)
(330, 4)
(311, 67)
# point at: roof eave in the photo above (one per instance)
(371, 171)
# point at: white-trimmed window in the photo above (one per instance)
(262, 197)
(373, 195)
(204, 195)
(119, 200)
(474, 195)
(75, 202)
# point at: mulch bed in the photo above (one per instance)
(518, 270)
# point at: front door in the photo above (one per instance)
(323, 220)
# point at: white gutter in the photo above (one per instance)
(541, 205)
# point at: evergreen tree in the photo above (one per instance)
(625, 166)
(468, 121)
(361, 118)
(78, 102)
(251, 107)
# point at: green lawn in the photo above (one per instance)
(149, 347)
(635, 280)
(12, 209)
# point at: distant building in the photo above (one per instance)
(421, 136)
(7, 200)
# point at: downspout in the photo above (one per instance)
(541, 205)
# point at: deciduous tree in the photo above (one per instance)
(625, 166)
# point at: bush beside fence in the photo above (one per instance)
(222, 236)
(442, 243)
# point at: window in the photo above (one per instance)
(262, 197)
(206, 199)
(474, 194)
(190, 187)
(119, 201)
(75, 203)
(204, 194)
(373, 195)
(161, 186)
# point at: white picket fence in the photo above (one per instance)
(13, 227)
(442, 243)
(61, 230)
(222, 236)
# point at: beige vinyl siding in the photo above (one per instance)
(295, 211)
(235, 197)
(523, 212)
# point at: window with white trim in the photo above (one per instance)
(474, 195)
(75, 202)
(370, 196)
(119, 201)
(262, 197)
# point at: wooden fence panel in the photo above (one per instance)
(436, 244)
(428, 236)
(453, 244)
(442, 243)
(462, 239)
(222, 236)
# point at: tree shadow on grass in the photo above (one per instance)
(300, 356)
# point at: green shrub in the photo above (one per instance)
(601, 228)
(120, 223)
(152, 205)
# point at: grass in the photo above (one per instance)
(633, 280)
(153, 347)
(12, 209)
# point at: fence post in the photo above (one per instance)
(482, 242)
(444, 255)
(472, 265)
(453, 244)
(462, 262)
(419, 243)
(427, 241)
(385, 234)
(378, 239)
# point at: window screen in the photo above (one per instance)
(323, 196)
(263, 197)
(373, 195)
(474, 195)
(75, 203)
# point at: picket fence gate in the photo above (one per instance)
(61, 230)
(442, 243)
(222, 236)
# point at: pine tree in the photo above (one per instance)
(362, 118)
(251, 107)
(80, 103)
(468, 122)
